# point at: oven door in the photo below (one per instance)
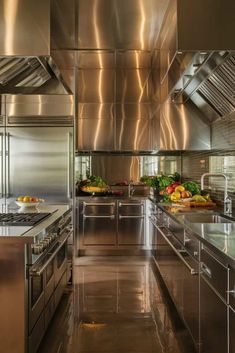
(61, 261)
(41, 287)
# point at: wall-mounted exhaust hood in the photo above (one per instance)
(26, 66)
(197, 62)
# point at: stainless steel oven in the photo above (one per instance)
(46, 281)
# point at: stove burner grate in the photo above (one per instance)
(22, 219)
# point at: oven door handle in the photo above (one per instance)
(39, 270)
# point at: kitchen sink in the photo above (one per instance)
(207, 218)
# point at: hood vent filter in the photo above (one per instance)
(22, 72)
(219, 88)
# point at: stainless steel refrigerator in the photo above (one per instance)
(36, 142)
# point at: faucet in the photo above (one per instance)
(130, 189)
(227, 199)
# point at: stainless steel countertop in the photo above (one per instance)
(27, 234)
(219, 237)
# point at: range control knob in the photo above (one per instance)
(37, 249)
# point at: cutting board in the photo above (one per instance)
(197, 204)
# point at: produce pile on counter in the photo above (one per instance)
(171, 189)
(94, 184)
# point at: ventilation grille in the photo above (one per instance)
(219, 89)
(40, 120)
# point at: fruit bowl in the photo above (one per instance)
(22, 204)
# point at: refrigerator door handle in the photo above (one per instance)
(7, 165)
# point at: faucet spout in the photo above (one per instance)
(227, 200)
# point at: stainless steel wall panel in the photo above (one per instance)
(155, 129)
(96, 86)
(134, 111)
(95, 111)
(63, 24)
(133, 135)
(223, 132)
(39, 105)
(95, 59)
(95, 134)
(182, 128)
(133, 59)
(25, 27)
(132, 85)
(114, 169)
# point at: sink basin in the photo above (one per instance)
(206, 218)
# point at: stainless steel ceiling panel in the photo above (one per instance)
(182, 128)
(95, 59)
(129, 24)
(95, 110)
(132, 86)
(25, 27)
(134, 111)
(133, 59)
(96, 86)
(133, 135)
(95, 135)
(63, 24)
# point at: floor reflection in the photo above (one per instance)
(117, 305)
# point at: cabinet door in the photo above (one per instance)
(231, 331)
(99, 231)
(131, 230)
(213, 320)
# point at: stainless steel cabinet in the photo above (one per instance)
(131, 223)
(231, 331)
(98, 223)
(180, 274)
(213, 320)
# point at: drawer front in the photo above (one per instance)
(215, 273)
(49, 311)
(192, 245)
(131, 208)
(175, 228)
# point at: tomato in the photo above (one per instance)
(170, 189)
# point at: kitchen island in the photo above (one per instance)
(34, 271)
(195, 255)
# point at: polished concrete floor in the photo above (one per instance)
(117, 305)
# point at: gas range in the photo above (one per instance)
(22, 219)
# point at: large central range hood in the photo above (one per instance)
(26, 65)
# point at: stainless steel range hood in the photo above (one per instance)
(26, 66)
(197, 57)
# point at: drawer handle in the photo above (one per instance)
(178, 252)
(99, 204)
(130, 204)
(121, 217)
(206, 270)
(91, 216)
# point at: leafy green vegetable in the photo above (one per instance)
(96, 181)
(192, 187)
(151, 181)
(164, 181)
